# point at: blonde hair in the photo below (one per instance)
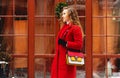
(73, 17)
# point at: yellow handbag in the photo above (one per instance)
(74, 58)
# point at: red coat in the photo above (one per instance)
(74, 40)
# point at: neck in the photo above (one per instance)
(68, 22)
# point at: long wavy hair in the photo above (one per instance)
(73, 17)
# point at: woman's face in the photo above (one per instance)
(65, 16)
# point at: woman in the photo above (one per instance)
(72, 40)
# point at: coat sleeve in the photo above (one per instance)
(78, 39)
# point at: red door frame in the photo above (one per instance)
(31, 38)
(88, 61)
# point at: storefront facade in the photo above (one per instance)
(28, 29)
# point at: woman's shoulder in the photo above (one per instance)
(75, 27)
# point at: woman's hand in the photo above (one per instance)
(62, 42)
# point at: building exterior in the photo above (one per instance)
(28, 29)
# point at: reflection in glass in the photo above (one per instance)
(80, 7)
(99, 68)
(70, 2)
(44, 32)
(116, 9)
(110, 7)
(81, 2)
(20, 32)
(6, 44)
(113, 45)
(99, 26)
(20, 45)
(109, 67)
(44, 45)
(44, 7)
(82, 22)
(99, 45)
(80, 73)
(6, 7)
(21, 7)
(43, 67)
(6, 28)
(6, 25)
(113, 67)
(20, 68)
(44, 26)
(50, 7)
(113, 27)
(20, 26)
(39, 7)
(99, 7)
(4, 69)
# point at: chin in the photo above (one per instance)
(64, 22)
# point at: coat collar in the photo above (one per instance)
(70, 24)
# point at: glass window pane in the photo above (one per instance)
(20, 26)
(6, 25)
(43, 67)
(116, 19)
(6, 7)
(16, 68)
(113, 45)
(109, 69)
(113, 67)
(99, 68)
(39, 7)
(80, 72)
(82, 22)
(50, 7)
(20, 45)
(99, 45)
(44, 45)
(99, 7)
(44, 26)
(20, 68)
(113, 27)
(6, 44)
(70, 2)
(21, 7)
(110, 5)
(43, 7)
(113, 8)
(99, 26)
(5, 69)
(80, 6)
(20, 32)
